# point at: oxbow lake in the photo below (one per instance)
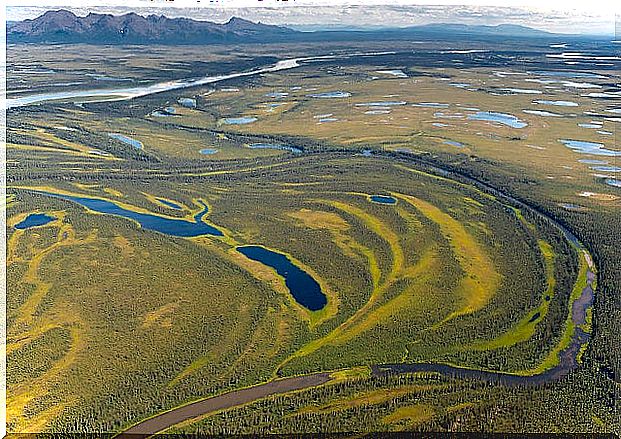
(180, 227)
(304, 289)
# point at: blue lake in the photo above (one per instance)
(169, 204)
(169, 226)
(304, 289)
(272, 146)
(525, 91)
(239, 120)
(566, 74)
(557, 103)
(376, 112)
(397, 73)
(453, 143)
(593, 162)
(383, 199)
(503, 118)
(542, 113)
(614, 169)
(331, 94)
(208, 151)
(593, 148)
(123, 138)
(381, 104)
(34, 220)
(431, 105)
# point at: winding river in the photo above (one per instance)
(125, 93)
(568, 357)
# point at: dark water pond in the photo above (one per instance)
(305, 290)
(34, 220)
(383, 199)
(169, 226)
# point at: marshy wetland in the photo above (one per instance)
(401, 224)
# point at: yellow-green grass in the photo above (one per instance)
(526, 327)
(481, 278)
(407, 300)
(337, 226)
(380, 229)
(411, 415)
(368, 398)
(27, 327)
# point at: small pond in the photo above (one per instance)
(187, 102)
(34, 220)
(397, 73)
(453, 143)
(239, 120)
(381, 104)
(542, 113)
(556, 103)
(593, 148)
(331, 94)
(128, 140)
(503, 118)
(383, 199)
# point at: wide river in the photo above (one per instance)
(119, 94)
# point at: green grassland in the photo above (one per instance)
(110, 323)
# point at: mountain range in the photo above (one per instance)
(65, 27)
(62, 26)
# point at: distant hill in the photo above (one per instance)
(501, 29)
(63, 26)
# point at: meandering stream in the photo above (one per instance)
(568, 357)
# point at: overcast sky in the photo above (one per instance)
(563, 16)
